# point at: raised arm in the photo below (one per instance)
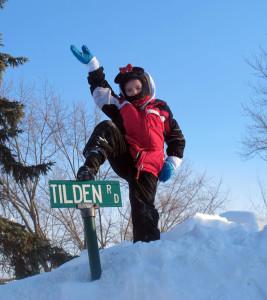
(103, 95)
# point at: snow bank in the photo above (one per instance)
(206, 257)
(251, 221)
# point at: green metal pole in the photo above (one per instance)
(88, 215)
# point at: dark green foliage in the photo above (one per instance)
(11, 113)
(6, 60)
(2, 3)
(28, 253)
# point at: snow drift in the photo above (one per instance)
(206, 257)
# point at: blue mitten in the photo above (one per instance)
(85, 56)
(166, 172)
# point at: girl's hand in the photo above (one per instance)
(85, 56)
(166, 172)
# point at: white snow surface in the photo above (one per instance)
(205, 257)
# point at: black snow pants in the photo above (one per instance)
(108, 142)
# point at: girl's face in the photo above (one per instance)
(133, 87)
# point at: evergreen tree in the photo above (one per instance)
(27, 253)
(10, 114)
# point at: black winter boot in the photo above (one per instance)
(145, 223)
(94, 158)
(85, 173)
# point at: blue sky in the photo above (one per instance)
(194, 50)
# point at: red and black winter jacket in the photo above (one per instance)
(145, 128)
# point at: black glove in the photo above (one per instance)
(84, 174)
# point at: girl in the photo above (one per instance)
(133, 141)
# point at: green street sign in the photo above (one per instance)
(69, 193)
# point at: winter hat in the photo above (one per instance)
(129, 73)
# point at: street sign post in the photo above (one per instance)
(88, 215)
(86, 196)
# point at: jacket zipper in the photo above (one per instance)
(140, 167)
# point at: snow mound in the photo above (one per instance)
(251, 221)
(205, 257)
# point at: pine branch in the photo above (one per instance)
(7, 60)
(14, 61)
(20, 172)
(2, 3)
(6, 134)
(10, 113)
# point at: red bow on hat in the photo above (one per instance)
(128, 68)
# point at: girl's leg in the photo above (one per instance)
(108, 142)
(145, 216)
